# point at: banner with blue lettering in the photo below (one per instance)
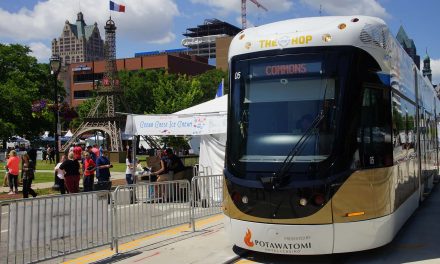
(176, 125)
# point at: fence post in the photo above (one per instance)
(192, 204)
(115, 225)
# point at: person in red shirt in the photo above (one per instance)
(77, 151)
(95, 150)
(13, 166)
(89, 172)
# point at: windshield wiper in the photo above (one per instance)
(297, 148)
(280, 175)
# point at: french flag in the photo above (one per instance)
(116, 7)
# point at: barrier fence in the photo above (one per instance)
(206, 196)
(147, 207)
(48, 227)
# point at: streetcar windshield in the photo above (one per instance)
(275, 101)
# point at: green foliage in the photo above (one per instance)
(157, 92)
(173, 93)
(210, 80)
(22, 80)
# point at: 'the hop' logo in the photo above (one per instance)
(247, 238)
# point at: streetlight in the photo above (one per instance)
(55, 66)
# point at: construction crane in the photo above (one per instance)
(243, 11)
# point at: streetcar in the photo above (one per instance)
(332, 138)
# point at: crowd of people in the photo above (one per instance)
(87, 163)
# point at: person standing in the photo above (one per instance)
(5, 178)
(92, 154)
(28, 171)
(77, 150)
(13, 169)
(129, 170)
(49, 154)
(101, 150)
(175, 166)
(60, 174)
(103, 166)
(71, 168)
(52, 155)
(95, 150)
(162, 175)
(89, 172)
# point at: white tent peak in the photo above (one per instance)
(68, 134)
(217, 105)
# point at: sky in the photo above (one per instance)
(149, 25)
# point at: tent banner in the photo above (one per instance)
(168, 125)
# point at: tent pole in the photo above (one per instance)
(133, 144)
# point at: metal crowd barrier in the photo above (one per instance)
(48, 227)
(206, 196)
(146, 207)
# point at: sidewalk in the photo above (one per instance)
(44, 185)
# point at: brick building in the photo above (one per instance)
(83, 76)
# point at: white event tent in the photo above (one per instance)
(207, 120)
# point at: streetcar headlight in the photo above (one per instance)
(245, 199)
(326, 37)
(303, 201)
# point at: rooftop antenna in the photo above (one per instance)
(79, 5)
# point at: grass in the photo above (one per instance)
(43, 177)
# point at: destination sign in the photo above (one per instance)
(285, 68)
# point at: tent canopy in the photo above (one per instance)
(209, 120)
(203, 119)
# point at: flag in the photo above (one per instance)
(116, 7)
(220, 91)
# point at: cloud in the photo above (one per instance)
(348, 7)
(40, 51)
(234, 6)
(435, 68)
(143, 20)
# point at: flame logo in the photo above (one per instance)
(247, 238)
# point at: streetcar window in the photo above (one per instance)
(403, 129)
(374, 133)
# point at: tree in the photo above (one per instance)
(209, 82)
(22, 81)
(175, 92)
